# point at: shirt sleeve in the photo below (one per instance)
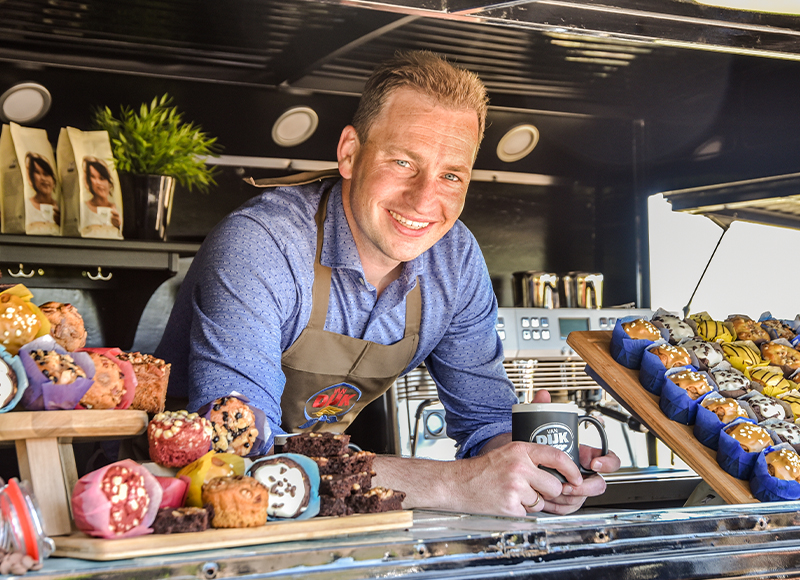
(467, 365)
(244, 292)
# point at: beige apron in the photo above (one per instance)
(330, 377)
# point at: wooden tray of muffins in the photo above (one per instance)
(623, 384)
(87, 548)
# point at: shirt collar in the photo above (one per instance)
(339, 247)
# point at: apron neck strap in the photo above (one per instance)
(321, 288)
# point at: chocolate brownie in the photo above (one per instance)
(375, 500)
(333, 506)
(344, 485)
(182, 520)
(318, 444)
(346, 464)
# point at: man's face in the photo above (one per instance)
(405, 187)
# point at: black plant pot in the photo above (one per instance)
(146, 205)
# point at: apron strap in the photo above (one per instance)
(321, 289)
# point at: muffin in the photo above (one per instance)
(708, 354)
(290, 485)
(731, 383)
(726, 410)
(785, 431)
(60, 369)
(751, 438)
(781, 355)
(234, 426)
(765, 407)
(108, 387)
(741, 355)
(152, 378)
(672, 356)
(748, 329)
(784, 464)
(641, 329)
(66, 325)
(771, 381)
(238, 502)
(695, 384)
(19, 324)
(712, 330)
(176, 439)
(677, 328)
(778, 328)
(8, 383)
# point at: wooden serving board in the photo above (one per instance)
(87, 548)
(623, 384)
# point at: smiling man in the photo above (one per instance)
(312, 299)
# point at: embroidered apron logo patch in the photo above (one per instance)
(330, 404)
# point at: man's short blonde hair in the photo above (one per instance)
(450, 86)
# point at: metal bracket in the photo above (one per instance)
(522, 544)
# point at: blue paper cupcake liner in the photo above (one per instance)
(732, 458)
(625, 350)
(676, 404)
(765, 487)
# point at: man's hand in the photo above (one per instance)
(504, 480)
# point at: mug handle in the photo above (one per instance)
(603, 440)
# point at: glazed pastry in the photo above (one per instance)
(234, 426)
(8, 383)
(695, 384)
(239, 501)
(678, 329)
(66, 325)
(152, 377)
(641, 329)
(672, 356)
(108, 387)
(765, 407)
(752, 438)
(771, 380)
(176, 439)
(778, 328)
(784, 464)
(741, 355)
(731, 381)
(19, 324)
(780, 355)
(748, 329)
(60, 369)
(786, 432)
(726, 409)
(706, 353)
(711, 330)
(793, 399)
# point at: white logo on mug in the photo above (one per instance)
(555, 435)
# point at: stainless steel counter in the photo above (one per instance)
(747, 541)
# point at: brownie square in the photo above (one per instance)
(343, 485)
(333, 506)
(376, 500)
(181, 520)
(357, 462)
(318, 444)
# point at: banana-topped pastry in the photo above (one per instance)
(710, 329)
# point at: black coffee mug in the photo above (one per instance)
(556, 425)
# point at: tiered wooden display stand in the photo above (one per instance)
(44, 452)
(46, 459)
(623, 384)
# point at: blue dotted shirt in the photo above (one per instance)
(247, 298)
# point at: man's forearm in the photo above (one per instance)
(426, 482)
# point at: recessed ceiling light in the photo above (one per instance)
(24, 103)
(295, 126)
(517, 143)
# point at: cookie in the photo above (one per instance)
(234, 426)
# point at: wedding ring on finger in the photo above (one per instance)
(531, 507)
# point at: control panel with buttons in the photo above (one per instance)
(542, 332)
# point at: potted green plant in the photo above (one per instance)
(153, 147)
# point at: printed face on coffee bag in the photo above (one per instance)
(100, 211)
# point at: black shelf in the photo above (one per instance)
(120, 275)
